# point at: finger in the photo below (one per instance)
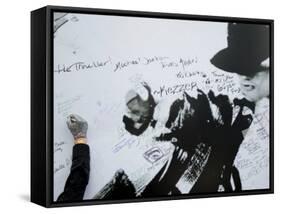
(78, 118)
(179, 154)
(200, 91)
(212, 96)
(69, 120)
(184, 156)
(176, 150)
(202, 98)
(190, 99)
(73, 119)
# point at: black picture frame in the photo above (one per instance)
(42, 101)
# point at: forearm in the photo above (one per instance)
(79, 175)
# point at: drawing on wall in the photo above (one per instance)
(149, 107)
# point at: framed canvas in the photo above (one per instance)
(131, 106)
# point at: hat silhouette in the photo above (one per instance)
(248, 46)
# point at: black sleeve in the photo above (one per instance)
(79, 175)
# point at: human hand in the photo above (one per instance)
(77, 126)
(180, 155)
(224, 106)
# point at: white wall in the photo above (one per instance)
(15, 107)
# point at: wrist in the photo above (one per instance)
(80, 140)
